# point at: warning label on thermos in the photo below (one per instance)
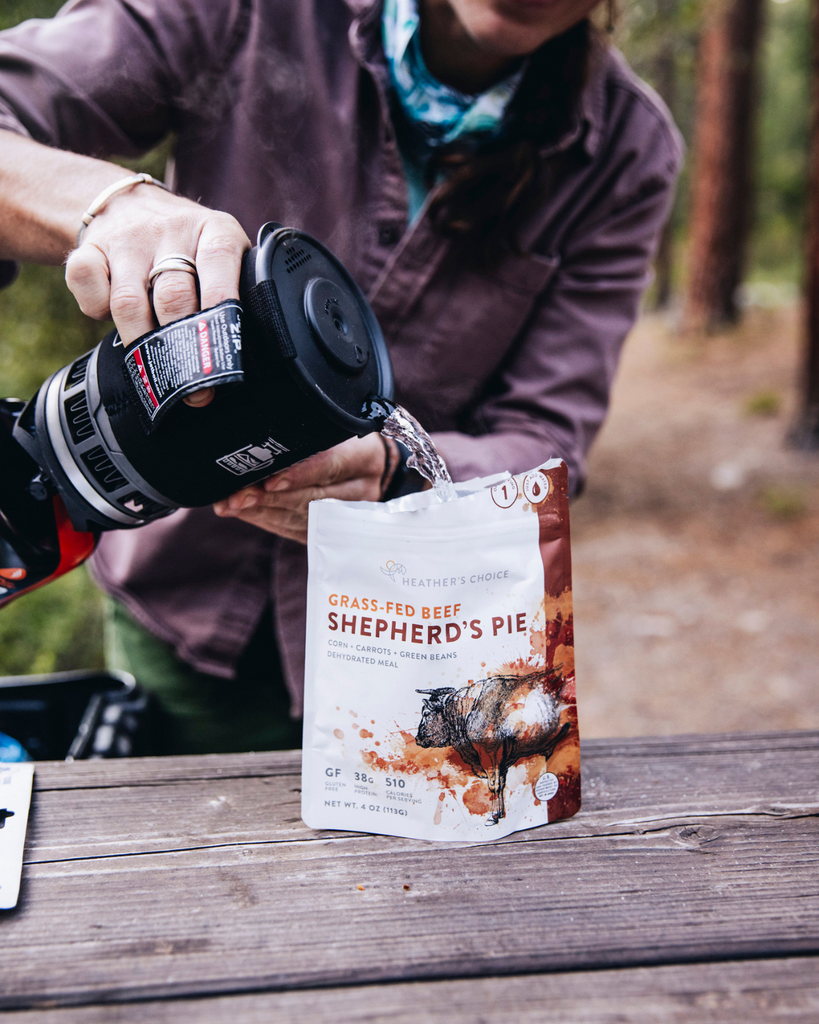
(198, 352)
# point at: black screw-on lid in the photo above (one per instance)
(336, 322)
(324, 326)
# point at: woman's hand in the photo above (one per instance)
(108, 272)
(44, 193)
(355, 470)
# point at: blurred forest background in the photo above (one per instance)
(678, 345)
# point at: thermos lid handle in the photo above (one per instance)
(266, 229)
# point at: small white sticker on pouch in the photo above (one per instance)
(546, 786)
(15, 798)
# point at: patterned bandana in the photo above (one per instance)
(440, 113)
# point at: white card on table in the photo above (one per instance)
(15, 797)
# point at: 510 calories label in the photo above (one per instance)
(200, 351)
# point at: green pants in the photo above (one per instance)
(196, 713)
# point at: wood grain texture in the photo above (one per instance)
(188, 882)
(151, 771)
(179, 803)
(725, 993)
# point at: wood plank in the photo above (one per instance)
(176, 813)
(288, 915)
(151, 770)
(176, 884)
(708, 743)
(151, 819)
(723, 993)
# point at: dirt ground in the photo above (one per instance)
(696, 544)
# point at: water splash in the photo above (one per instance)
(424, 456)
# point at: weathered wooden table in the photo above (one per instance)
(188, 890)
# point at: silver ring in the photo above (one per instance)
(173, 261)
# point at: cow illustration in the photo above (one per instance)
(493, 723)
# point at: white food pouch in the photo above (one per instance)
(439, 682)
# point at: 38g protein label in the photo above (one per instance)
(200, 351)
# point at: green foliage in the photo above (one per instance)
(52, 629)
(12, 12)
(763, 403)
(651, 29)
(41, 328)
(783, 142)
(783, 502)
(654, 34)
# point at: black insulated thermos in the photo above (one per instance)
(298, 365)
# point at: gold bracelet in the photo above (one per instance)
(105, 195)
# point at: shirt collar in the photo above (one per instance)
(593, 97)
(587, 125)
(439, 113)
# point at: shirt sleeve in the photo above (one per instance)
(551, 396)
(112, 77)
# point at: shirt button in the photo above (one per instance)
(388, 234)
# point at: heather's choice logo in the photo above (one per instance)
(393, 569)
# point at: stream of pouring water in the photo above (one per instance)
(424, 456)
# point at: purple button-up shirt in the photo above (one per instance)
(280, 112)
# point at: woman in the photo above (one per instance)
(492, 175)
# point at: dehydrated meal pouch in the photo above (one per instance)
(440, 688)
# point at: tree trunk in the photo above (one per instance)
(665, 79)
(721, 204)
(805, 434)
